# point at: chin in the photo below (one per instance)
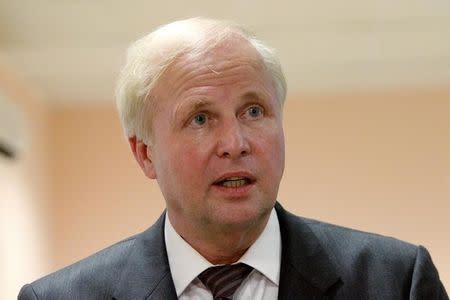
(242, 215)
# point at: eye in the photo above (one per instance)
(199, 119)
(255, 111)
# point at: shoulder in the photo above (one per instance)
(380, 262)
(89, 278)
(342, 242)
(346, 241)
(371, 264)
(136, 263)
(355, 252)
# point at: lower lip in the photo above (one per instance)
(231, 192)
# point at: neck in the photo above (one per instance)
(220, 244)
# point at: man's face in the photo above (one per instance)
(218, 143)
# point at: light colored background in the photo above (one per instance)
(367, 122)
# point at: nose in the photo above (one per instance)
(232, 141)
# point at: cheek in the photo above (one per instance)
(280, 146)
(272, 150)
(191, 161)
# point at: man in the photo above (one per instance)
(201, 103)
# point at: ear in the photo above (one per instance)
(142, 154)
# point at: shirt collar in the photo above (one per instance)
(186, 263)
(265, 253)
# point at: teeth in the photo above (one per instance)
(234, 183)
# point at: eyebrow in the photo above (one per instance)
(253, 95)
(187, 108)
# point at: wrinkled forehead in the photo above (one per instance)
(214, 58)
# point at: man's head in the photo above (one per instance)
(150, 56)
(213, 105)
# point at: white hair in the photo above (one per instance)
(150, 56)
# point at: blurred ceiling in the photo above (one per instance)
(72, 50)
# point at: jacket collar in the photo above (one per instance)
(307, 271)
(146, 274)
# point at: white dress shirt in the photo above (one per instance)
(264, 256)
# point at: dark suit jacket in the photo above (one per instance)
(319, 261)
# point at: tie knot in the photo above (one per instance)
(224, 280)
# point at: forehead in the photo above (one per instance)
(220, 64)
(233, 48)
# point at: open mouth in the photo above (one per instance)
(234, 182)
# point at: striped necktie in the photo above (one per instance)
(224, 280)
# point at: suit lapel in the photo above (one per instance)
(306, 272)
(146, 273)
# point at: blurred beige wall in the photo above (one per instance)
(99, 193)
